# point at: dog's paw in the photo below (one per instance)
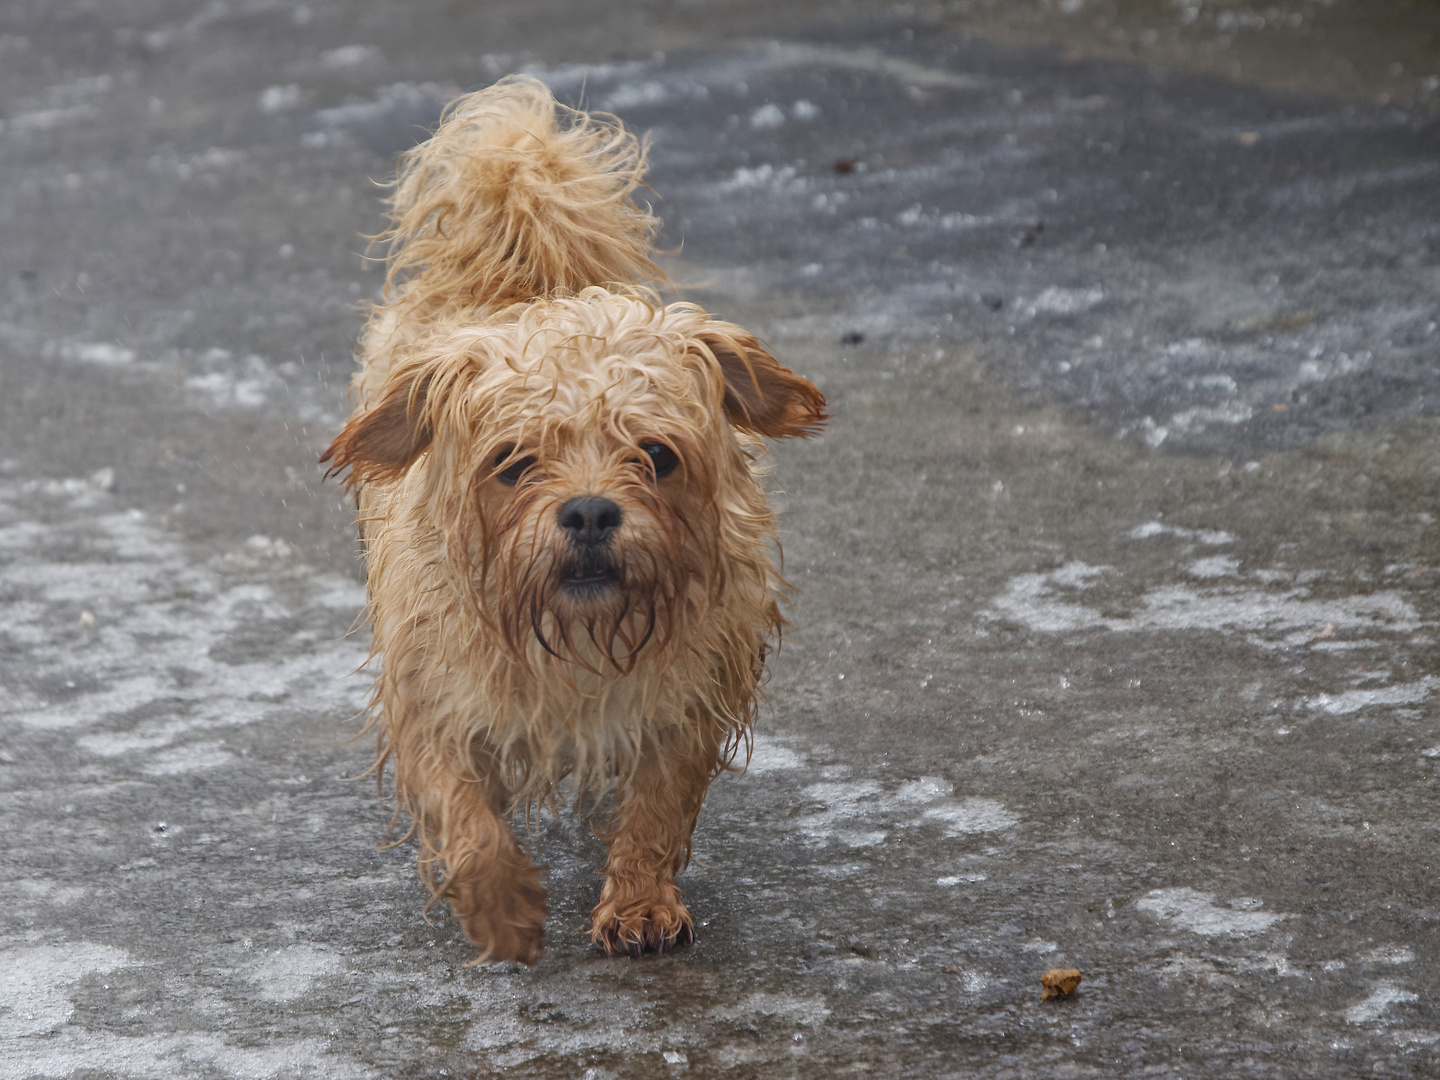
(635, 920)
(506, 921)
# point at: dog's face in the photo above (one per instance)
(582, 466)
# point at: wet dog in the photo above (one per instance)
(571, 555)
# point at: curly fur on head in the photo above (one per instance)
(571, 556)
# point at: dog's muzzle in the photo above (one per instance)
(589, 521)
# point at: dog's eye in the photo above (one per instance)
(662, 459)
(510, 475)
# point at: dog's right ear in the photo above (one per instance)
(382, 442)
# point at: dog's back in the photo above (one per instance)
(514, 197)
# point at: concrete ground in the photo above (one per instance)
(1117, 641)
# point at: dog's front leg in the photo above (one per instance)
(640, 909)
(471, 858)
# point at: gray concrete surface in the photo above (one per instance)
(1116, 646)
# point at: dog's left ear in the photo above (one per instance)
(383, 441)
(761, 396)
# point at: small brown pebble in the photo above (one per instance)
(845, 166)
(1059, 982)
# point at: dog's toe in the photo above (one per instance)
(642, 924)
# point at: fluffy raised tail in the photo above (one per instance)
(514, 197)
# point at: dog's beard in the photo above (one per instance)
(600, 607)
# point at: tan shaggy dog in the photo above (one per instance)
(571, 556)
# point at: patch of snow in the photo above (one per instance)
(1198, 913)
(1385, 995)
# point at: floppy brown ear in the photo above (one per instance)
(383, 441)
(761, 396)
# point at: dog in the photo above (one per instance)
(572, 560)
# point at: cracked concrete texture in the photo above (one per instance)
(1116, 643)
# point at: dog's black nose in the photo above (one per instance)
(589, 519)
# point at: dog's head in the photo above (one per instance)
(587, 464)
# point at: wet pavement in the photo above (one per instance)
(1116, 641)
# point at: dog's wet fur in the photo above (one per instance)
(572, 559)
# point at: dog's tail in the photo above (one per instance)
(514, 197)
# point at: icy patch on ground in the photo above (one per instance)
(599, 1016)
(1197, 912)
(246, 382)
(392, 108)
(869, 61)
(1354, 700)
(58, 105)
(180, 1057)
(807, 1011)
(637, 95)
(35, 989)
(971, 816)
(218, 377)
(104, 353)
(842, 802)
(1213, 567)
(349, 56)
(767, 178)
(118, 636)
(951, 880)
(1045, 602)
(917, 217)
(1392, 955)
(389, 101)
(860, 813)
(1378, 1003)
(291, 973)
(769, 756)
(1202, 416)
(1055, 300)
(767, 117)
(278, 99)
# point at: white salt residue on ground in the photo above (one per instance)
(1354, 700)
(1057, 300)
(37, 982)
(860, 813)
(970, 816)
(1382, 998)
(292, 972)
(58, 105)
(138, 649)
(598, 1016)
(397, 99)
(768, 755)
(806, 1011)
(104, 353)
(1214, 566)
(1198, 912)
(1048, 602)
(351, 56)
(218, 378)
(1205, 536)
(176, 1057)
(1390, 955)
(846, 806)
(1313, 192)
(245, 382)
(636, 94)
